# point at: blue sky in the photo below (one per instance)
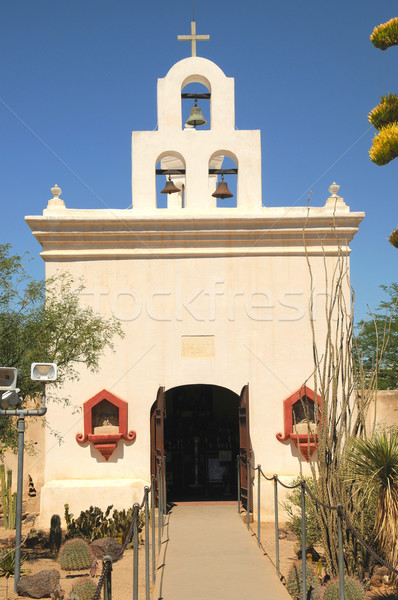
(77, 77)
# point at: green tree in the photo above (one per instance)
(45, 322)
(377, 341)
(384, 117)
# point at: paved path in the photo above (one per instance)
(208, 554)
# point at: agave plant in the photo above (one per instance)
(385, 35)
(386, 112)
(393, 239)
(373, 465)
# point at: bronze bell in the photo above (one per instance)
(169, 188)
(222, 190)
(196, 118)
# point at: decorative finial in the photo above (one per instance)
(56, 191)
(334, 188)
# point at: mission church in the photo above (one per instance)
(213, 293)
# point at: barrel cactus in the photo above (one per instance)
(353, 590)
(84, 589)
(294, 582)
(75, 555)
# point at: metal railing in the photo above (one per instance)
(341, 516)
(148, 504)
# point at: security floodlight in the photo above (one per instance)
(8, 378)
(10, 399)
(44, 372)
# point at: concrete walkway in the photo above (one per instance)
(208, 554)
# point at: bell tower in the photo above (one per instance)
(196, 153)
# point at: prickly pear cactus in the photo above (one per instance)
(75, 555)
(352, 590)
(84, 589)
(294, 582)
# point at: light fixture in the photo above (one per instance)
(8, 378)
(44, 372)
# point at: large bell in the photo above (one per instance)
(196, 118)
(169, 188)
(222, 190)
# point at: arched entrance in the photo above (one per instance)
(198, 430)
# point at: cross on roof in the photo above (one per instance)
(193, 38)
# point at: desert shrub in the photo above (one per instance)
(292, 506)
(294, 583)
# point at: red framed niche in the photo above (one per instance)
(105, 423)
(296, 417)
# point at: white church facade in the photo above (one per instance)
(214, 302)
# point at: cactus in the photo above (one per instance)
(8, 499)
(75, 555)
(352, 590)
(84, 589)
(294, 582)
(55, 534)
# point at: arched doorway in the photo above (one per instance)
(201, 441)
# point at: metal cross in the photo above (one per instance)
(193, 38)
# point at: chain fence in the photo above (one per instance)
(246, 502)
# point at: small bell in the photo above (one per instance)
(196, 118)
(169, 188)
(222, 190)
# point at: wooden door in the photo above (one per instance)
(244, 447)
(158, 416)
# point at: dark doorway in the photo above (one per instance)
(201, 441)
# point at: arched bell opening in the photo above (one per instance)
(170, 181)
(201, 442)
(223, 179)
(196, 104)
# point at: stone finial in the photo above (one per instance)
(335, 201)
(55, 203)
(334, 188)
(56, 191)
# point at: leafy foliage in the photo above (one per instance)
(46, 322)
(7, 563)
(385, 35)
(393, 239)
(93, 523)
(377, 341)
(292, 505)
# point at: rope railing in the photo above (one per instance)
(339, 509)
(148, 504)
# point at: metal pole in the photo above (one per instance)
(238, 469)
(161, 497)
(259, 504)
(159, 500)
(341, 554)
(276, 514)
(153, 527)
(146, 544)
(164, 488)
(18, 520)
(135, 550)
(248, 494)
(108, 578)
(303, 542)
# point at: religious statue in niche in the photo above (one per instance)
(301, 420)
(105, 423)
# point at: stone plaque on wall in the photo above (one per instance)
(198, 346)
